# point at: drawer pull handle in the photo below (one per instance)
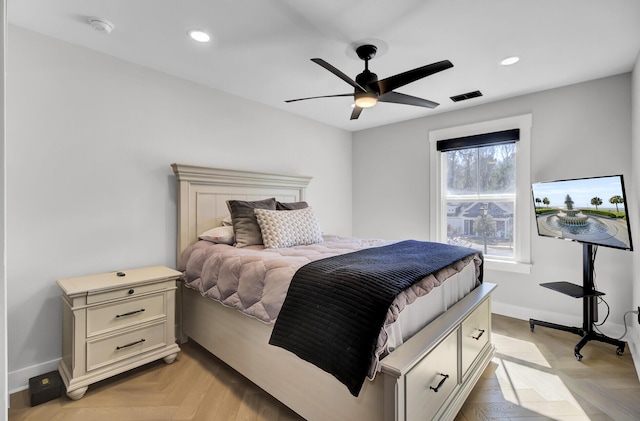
(128, 345)
(480, 334)
(130, 313)
(131, 291)
(444, 377)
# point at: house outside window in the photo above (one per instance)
(481, 196)
(480, 190)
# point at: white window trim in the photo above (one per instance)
(522, 217)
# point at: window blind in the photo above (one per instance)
(474, 141)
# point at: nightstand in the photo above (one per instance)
(113, 322)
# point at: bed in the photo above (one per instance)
(425, 376)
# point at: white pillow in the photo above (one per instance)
(288, 228)
(219, 235)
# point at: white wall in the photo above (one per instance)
(4, 393)
(89, 189)
(634, 340)
(579, 130)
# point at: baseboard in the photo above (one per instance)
(633, 341)
(611, 329)
(18, 380)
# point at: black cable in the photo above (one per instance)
(593, 265)
(595, 325)
(608, 312)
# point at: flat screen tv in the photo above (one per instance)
(587, 210)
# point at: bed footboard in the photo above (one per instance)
(434, 371)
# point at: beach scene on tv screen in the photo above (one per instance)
(591, 210)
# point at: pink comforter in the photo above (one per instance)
(255, 280)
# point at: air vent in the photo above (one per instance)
(468, 95)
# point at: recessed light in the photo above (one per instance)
(510, 60)
(101, 25)
(199, 36)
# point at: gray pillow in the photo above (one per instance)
(291, 205)
(245, 225)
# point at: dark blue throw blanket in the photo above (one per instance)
(335, 307)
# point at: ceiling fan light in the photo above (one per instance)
(366, 99)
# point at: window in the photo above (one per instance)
(480, 190)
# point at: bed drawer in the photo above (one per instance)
(101, 319)
(104, 351)
(432, 380)
(476, 332)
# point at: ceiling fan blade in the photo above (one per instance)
(338, 73)
(398, 98)
(394, 82)
(355, 113)
(315, 97)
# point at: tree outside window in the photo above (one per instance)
(480, 194)
(485, 162)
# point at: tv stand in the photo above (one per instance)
(589, 307)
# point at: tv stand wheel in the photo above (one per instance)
(620, 351)
(578, 356)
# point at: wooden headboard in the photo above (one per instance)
(203, 193)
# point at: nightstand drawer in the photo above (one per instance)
(101, 319)
(108, 350)
(93, 298)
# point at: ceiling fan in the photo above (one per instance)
(368, 90)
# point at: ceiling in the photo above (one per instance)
(261, 49)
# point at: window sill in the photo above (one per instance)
(501, 265)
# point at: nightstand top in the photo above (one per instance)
(112, 280)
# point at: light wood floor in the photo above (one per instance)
(534, 376)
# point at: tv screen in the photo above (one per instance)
(588, 210)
